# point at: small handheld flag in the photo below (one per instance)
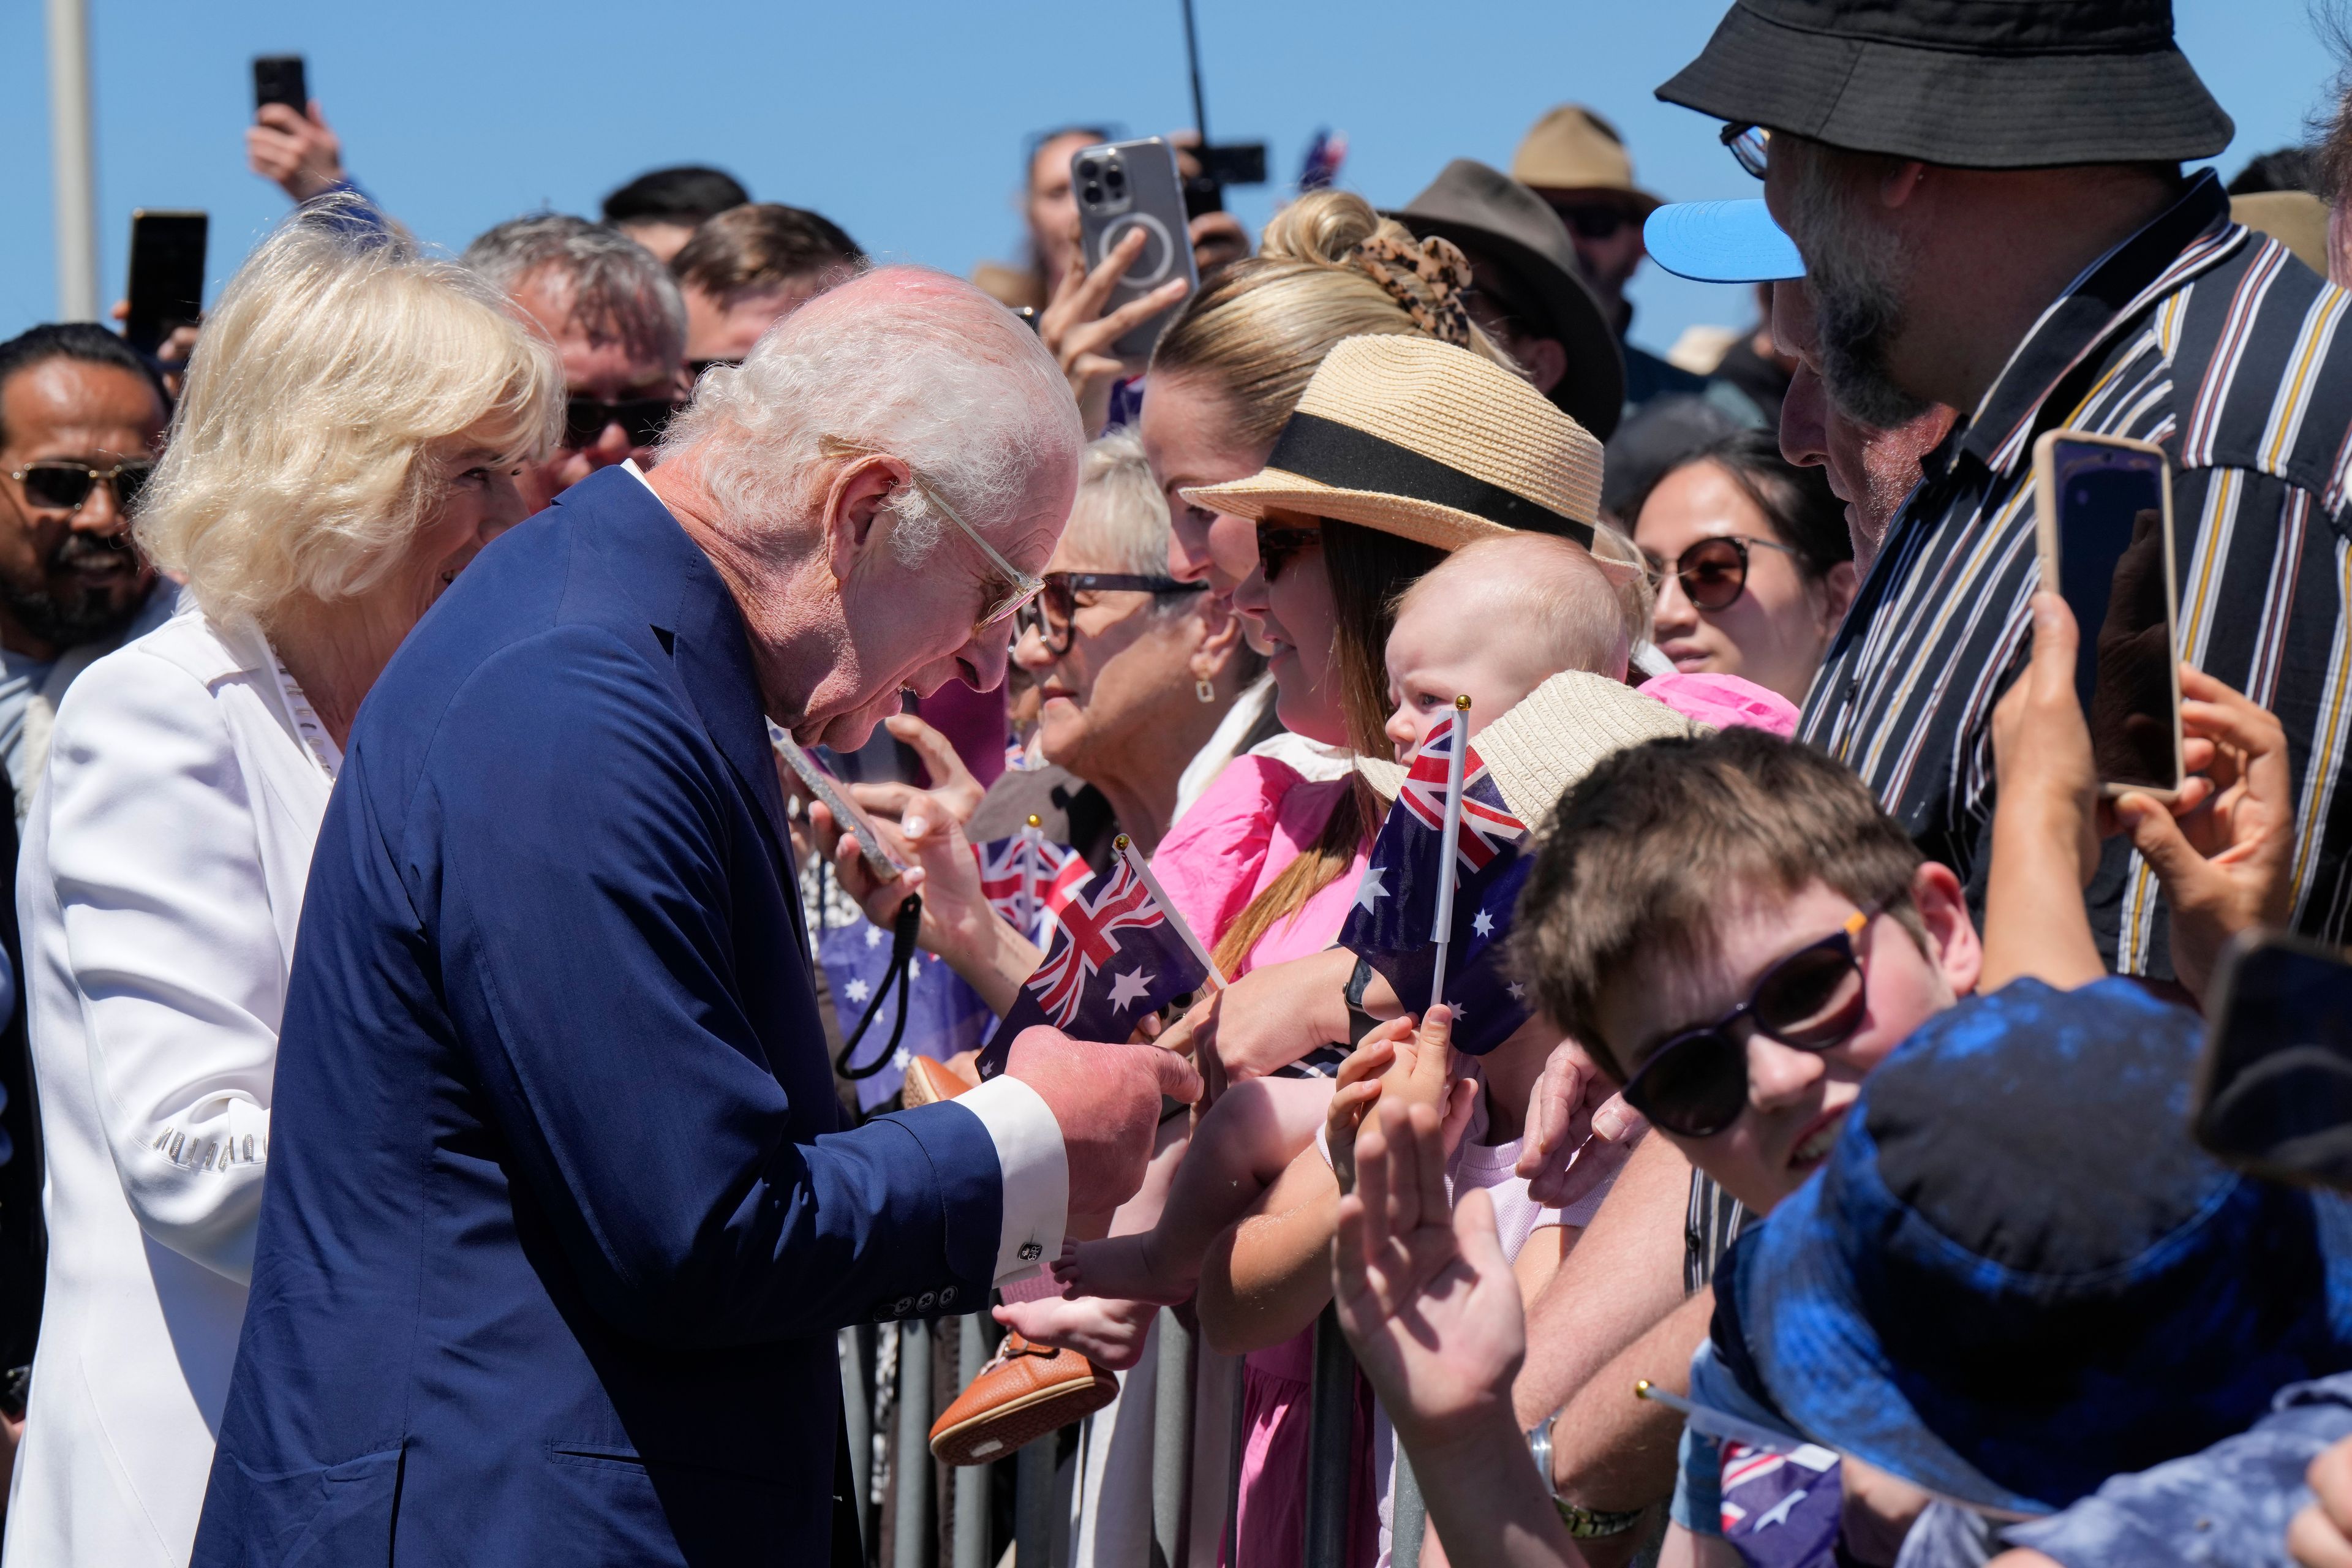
(1026, 878)
(1119, 950)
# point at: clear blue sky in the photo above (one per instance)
(901, 121)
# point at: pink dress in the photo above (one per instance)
(1258, 818)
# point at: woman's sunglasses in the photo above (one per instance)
(1695, 1083)
(641, 419)
(64, 484)
(1713, 572)
(1278, 544)
(1050, 614)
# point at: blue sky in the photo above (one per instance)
(901, 121)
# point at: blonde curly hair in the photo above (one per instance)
(336, 388)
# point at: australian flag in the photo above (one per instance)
(1028, 879)
(1394, 922)
(944, 1015)
(1115, 957)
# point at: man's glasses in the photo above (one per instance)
(1752, 145)
(1695, 1084)
(641, 419)
(1278, 546)
(64, 484)
(1018, 586)
(1713, 572)
(1050, 614)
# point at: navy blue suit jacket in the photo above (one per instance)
(560, 1218)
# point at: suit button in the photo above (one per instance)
(1031, 1251)
(906, 1304)
(923, 1302)
(947, 1297)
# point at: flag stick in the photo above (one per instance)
(1033, 845)
(1719, 1423)
(1444, 933)
(1135, 863)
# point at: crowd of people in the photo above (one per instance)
(445, 1113)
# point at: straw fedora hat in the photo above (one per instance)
(1557, 733)
(1422, 439)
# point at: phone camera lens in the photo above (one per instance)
(1086, 169)
(1114, 179)
(1093, 191)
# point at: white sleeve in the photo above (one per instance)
(175, 959)
(1036, 1174)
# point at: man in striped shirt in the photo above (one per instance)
(2006, 230)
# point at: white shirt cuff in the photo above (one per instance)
(1036, 1174)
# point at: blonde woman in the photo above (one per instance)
(355, 419)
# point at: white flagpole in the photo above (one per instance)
(1032, 842)
(1135, 863)
(1444, 933)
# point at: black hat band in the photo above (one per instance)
(1348, 458)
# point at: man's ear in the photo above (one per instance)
(854, 502)
(1952, 943)
(1839, 585)
(1900, 181)
(1543, 360)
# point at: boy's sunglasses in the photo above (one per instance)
(1695, 1084)
(1278, 544)
(1050, 614)
(1713, 572)
(640, 418)
(64, 484)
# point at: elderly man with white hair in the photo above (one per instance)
(561, 1216)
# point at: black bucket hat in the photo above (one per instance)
(1502, 223)
(1982, 84)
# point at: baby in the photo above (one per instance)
(1493, 621)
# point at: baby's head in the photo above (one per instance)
(1494, 621)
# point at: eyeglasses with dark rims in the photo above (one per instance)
(1713, 572)
(1751, 147)
(1050, 614)
(63, 484)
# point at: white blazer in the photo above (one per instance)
(160, 885)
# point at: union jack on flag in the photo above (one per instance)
(1488, 826)
(1025, 877)
(1115, 957)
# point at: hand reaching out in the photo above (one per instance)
(953, 789)
(1580, 1132)
(1359, 1092)
(1081, 337)
(296, 151)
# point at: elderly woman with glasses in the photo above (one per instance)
(355, 425)
(1752, 561)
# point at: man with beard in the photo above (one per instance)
(1992, 217)
(81, 416)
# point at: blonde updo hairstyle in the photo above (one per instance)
(337, 384)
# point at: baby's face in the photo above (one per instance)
(1442, 650)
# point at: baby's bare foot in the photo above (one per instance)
(1122, 1268)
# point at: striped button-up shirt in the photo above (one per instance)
(2210, 340)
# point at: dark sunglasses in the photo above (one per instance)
(695, 367)
(1049, 614)
(64, 484)
(1751, 146)
(1593, 220)
(640, 418)
(1695, 1083)
(1278, 544)
(1713, 572)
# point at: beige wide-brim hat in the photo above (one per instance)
(1431, 442)
(1573, 150)
(1557, 733)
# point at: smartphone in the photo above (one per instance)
(2273, 1091)
(279, 78)
(167, 275)
(1126, 185)
(2106, 536)
(885, 866)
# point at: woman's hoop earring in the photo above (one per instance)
(1205, 691)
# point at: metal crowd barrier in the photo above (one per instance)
(890, 1403)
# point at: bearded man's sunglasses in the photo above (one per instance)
(1695, 1084)
(64, 484)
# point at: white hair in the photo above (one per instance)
(1121, 514)
(904, 360)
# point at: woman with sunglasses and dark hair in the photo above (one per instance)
(1752, 561)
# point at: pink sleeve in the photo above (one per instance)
(1723, 701)
(1209, 862)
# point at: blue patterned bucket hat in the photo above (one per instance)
(2017, 1276)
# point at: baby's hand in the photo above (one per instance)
(1359, 1090)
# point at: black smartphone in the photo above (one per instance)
(2105, 535)
(2274, 1093)
(279, 78)
(167, 275)
(1126, 185)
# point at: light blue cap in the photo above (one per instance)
(1721, 242)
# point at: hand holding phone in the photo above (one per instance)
(1125, 189)
(280, 79)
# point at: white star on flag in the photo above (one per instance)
(873, 936)
(1484, 925)
(857, 991)
(900, 1058)
(1369, 891)
(1460, 1012)
(1519, 992)
(1128, 988)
